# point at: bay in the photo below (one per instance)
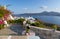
(47, 19)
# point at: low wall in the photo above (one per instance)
(46, 33)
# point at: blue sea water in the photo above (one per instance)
(47, 19)
(50, 19)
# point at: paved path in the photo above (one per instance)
(13, 37)
(19, 37)
(12, 30)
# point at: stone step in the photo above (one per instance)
(13, 37)
(19, 37)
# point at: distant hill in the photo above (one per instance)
(45, 13)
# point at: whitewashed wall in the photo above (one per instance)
(46, 33)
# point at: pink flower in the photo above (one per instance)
(1, 22)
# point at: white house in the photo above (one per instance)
(31, 19)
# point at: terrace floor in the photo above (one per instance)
(12, 30)
(13, 37)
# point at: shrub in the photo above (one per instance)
(16, 21)
(39, 21)
(54, 26)
(35, 24)
(20, 21)
(42, 26)
(1, 26)
(28, 22)
(10, 21)
(58, 28)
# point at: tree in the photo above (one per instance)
(4, 12)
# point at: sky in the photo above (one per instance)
(31, 6)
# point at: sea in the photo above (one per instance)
(47, 19)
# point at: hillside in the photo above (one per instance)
(45, 13)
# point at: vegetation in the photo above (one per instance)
(41, 24)
(27, 29)
(28, 22)
(19, 21)
(10, 21)
(1, 26)
(54, 27)
(58, 28)
(3, 12)
(39, 21)
(37, 24)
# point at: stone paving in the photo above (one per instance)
(12, 30)
(7, 31)
(13, 37)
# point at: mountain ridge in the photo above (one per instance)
(45, 13)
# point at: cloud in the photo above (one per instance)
(57, 8)
(43, 7)
(25, 8)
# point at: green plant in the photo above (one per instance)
(54, 26)
(11, 21)
(28, 22)
(1, 26)
(27, 29)
(42, 26)
(58, 28)
(35, 24)
(19, 21)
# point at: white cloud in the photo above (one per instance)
(43, 7)
(56, 8)
(25, 8)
